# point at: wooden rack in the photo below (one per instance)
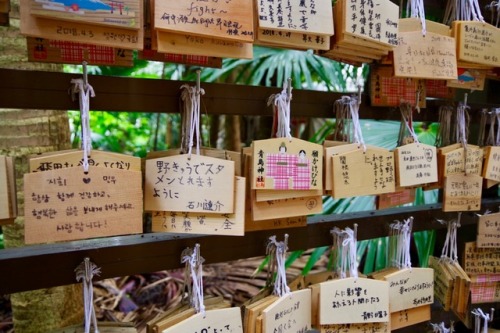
(41, 266)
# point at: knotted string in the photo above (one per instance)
(194, 263)
(191, 101)
(440, 328)
(85, 273)
(345, 242)
(281, 105)
(401, 233)
(277, 252)
(450, 251)
(357, 132)
(477, 323)
(84, 93)
(462, 130)
(462, 10)
(407, 118)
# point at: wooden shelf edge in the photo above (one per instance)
(49, 90)
(48, 265)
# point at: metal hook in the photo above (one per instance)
(355, 232)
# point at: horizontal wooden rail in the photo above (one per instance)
(48, 90)
(41, 266)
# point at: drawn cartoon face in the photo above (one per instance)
(302, 153)
(282, 148)
(429, 155)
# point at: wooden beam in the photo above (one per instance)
(48, 265)
(48, 90)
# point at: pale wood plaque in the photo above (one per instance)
(481, 261)
(477, 42)
(178, 43)
(206, 223)
(85, 33)
(292, 39)
(68, 204)
(410, 288)
(354, 300)
(305, 16)
(193, 183)
(372, 20)
(116, 13)
(416, 164)
(488, 231)
(492, 164)
(362, 172)
(462, 193)
(409, 317)
(356, 328)
(289, 313)
(283, 164)
(454, 162)
(231, 19)
(432, 56)
(443, 282)
(97, 158)
(221, 320)
(276, 209)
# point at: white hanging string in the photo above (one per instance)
(194, 262)
(85, 273)
(190, 95)
(84, 91)
(462, 123)
(416, 9)
(406, 115)
(282, 103)
(357, 132)
(343, 121)
(346, 243)
(479, 314)
(450, 251)
(277, 251)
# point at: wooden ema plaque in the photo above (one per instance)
(230, 20)
(283, 164)
(289, 313)
(362, 172)
(329, 152)
(481, 261)
(485, 288)
(462, 192)
(409, 317)
(312, 17)
(67, 204)
(460, 161)
(64, 52)
(197, 184)
(375, 21)
(410, 288)
(443, 282)
(477, 42)
(488, 231)
(469, 78)
(278, 38)
(416, 164)
(354, 300)
(432, 56)
(177, 43)
(220, 320)
(152, 55)
(87, 33)
(387, 90)
(97, 158)
(8, 193)
(116, 13)
(284, 208)
(356, 328)
(205, 223)
(492, 164)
